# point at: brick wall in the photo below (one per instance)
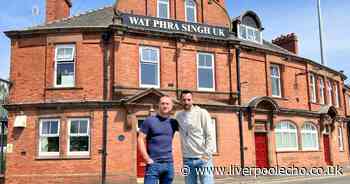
(217, 15)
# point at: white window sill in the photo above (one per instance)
(288, 150)
(149, 86)
(311, 149)
(206, 89)
(77, 154)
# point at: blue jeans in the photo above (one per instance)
(195, 170)
(162, 172)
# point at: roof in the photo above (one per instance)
(103, 18)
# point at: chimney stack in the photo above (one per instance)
(57, 9)
(288, 42)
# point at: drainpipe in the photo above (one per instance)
(175, 13)
(105, 39)
(230, 71)
(146, 8)
(177, 54)
(202, 7)
(240, 113)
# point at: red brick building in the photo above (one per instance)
(81, 86)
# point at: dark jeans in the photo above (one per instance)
(162, 172)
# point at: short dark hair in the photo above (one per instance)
(184, 92)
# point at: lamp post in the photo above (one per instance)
(323, 62)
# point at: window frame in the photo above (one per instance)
(340, 139)
(78, 153)
(42, 153)
(322, 99)
(168, 8)
(279, 80)
(215, 126)
(205, 67)
(194, 9)
(57, 62)
(140, 66)
(336, 95)
(313, 91)
(330, 92)
(246, 27)
(315, 132)
(288, 131)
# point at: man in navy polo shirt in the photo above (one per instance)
(159, 132)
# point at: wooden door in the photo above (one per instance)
(326, 149)
(261, 150)
(141, 164)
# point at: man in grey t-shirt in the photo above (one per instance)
(197, 140)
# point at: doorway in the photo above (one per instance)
(140, 162)
(261, 150)
(326, 149)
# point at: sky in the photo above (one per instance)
(278, 17)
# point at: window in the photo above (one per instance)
(330, 93)
(276, 81)
(205, 71)
(312, 88)
(78, 137)
(309, 135)
(64, 66)
(190, 11)
(340, 139)
(322, 100)
(249, 33)
(163, 9)
(215, 136)
(286, 136)
(336, 91)
(149, 67)
(49, 141)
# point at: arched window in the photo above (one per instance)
(190, 11)
(309, 135)
(286, 136)
(250, 28)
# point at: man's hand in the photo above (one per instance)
(149, 161)
(205, 158)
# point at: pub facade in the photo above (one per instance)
(82, 85)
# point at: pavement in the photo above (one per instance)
(334, 179)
